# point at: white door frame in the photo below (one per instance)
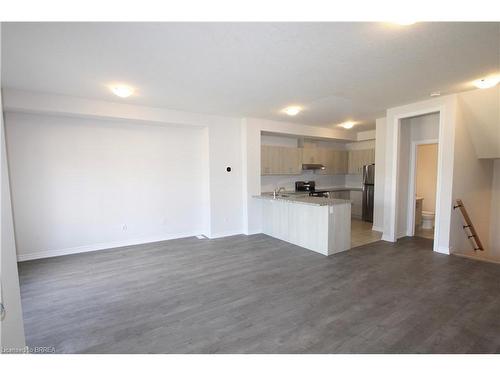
(394, 191)
(410, 220)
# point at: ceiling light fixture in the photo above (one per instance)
(122, 91)
(347, 124)
(292, 110)
(487, 82)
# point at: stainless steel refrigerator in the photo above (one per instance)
(368, 190)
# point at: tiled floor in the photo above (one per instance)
(425, 233)
(362, 233)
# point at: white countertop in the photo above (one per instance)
(319, 188)
(304, 199)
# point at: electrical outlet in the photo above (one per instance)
(124, 227)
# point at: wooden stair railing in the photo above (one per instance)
(473, 237)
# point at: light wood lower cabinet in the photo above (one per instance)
(323, 229)
(356, 197)
(341, 194)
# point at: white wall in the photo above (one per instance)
(403, 175)
(361, 145)
(226, 188)
(223, 196)
(367, 135)
(380, 154)
(481, 110)
(472, 182)
(495, 210)
(426, 175)
(12, 327)
(274, 140)
(77, 182)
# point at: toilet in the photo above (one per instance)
(427, 219)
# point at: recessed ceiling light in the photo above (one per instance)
(347, 124)
(487, 82)
(123, 91)
(435, 93)
(292, 110)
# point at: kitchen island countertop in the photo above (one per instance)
(303, 199)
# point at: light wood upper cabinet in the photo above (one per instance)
(340, 162)
(335, 161)
(276, 160)
(311, 155)
(359, 158)
(291, 160)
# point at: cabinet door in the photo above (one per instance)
(353, 161)
(276, 160)
(343, 162)
(310, 155)
(265, 167)
(339, 162)
(291, 160)
(326, 157)
(356, 197)
(359, 158)
(371, 156)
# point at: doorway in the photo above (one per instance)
(424, 170)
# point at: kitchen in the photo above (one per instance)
(334, 177)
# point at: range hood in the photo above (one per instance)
(309, 167)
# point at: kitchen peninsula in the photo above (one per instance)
(319, 224)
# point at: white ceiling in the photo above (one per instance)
(337, 71)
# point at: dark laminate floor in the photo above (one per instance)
(257, 294)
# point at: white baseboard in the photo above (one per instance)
(224, 234)
(477, 257)
(443, 250)
(101, 246)
(377, 229)
(401, 235)
(387, 238)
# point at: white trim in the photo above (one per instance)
(101, 246)
(387, 238)
(477, 257)
(440, 249)
(393, 231)
(410, 220)
(225, 234)
(401, 235)
(377, 228)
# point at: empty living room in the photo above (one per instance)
(280, 183)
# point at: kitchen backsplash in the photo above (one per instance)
(355, 180)
(269, 183)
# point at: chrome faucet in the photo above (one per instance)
(277, 191)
